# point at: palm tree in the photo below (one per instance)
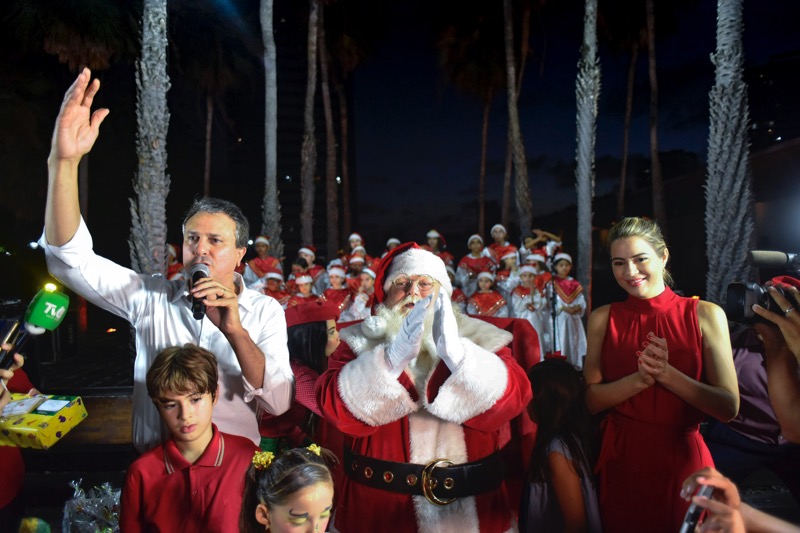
(729, 201)
(308, 155)
(473, 61)
(521, 185)
(148, 239)
(587, 92)
(270, 207)
(331, 197)
(657, 182)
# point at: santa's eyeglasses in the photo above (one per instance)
(404, 283)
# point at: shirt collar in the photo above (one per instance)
(212, 456)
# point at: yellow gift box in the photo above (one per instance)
(39, 421)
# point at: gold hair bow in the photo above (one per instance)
(262, 460)
(314, 449)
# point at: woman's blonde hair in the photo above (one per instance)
(645, 229)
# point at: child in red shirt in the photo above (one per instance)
(193, 481)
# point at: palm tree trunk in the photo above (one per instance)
(659, 206)
(626, 132)
(521, 185)
(487, 106)
(331, 187)
(587, 92)
(148, 240)
(347, 223)
(270, 207)
(209, 129)
(308, 156)
(729, 200)
(505, 213)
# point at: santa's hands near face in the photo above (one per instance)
(406, 345)
(445, 333)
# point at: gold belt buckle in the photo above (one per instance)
(429, 482)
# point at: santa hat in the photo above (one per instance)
(336, 271)
(305, 278)
(785, 282)
(392, 240)
(370, 272)
(261, 239)
(356, 259)
(527, 268)
(335, 262)
(433, 234)
(410, 259)
(274, 273)
(360, 249)
(561, 256)
(510, 255)
(539, 254)
(309, 250)
(487, 275)
(473, 237)
(318, 311)
(355, 236)
(498, 226)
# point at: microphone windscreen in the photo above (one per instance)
(199, 270)
(768, 259)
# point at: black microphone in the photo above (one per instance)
(196, 272)
(775, 260)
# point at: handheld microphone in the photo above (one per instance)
(45, 312)
(775, 260)
(196, 273)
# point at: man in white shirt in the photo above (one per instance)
(244, 329)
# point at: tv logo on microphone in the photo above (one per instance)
(54, 311)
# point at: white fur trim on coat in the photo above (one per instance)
(370, 393)
(473, 389)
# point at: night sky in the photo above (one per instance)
(416, 138)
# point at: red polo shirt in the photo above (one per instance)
(164, 492)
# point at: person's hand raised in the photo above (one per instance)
(77, 127)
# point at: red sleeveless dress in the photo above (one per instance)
(650, 442)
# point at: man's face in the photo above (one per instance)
(210, 238)
(366, 282)
(405, 291)
(187, 416)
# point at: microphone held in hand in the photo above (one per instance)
(45, 312)
(197, 272)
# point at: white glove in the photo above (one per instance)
(406, 345)
(445, 334)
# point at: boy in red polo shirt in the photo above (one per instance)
(193, 481)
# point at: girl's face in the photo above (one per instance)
(336, 281)
(433, 242)
(637, 267)
(333, 337)
(499, 236)
(304, 288)
(261, 249)
(563, 268)
(484, 284)
(307, 511)
(475, 246)
(527, 279)
(509, 263)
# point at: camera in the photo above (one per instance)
(694, 512)
(742, 295)
(740, 299)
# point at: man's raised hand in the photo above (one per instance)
(77, 127)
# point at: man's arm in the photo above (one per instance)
(74, 135)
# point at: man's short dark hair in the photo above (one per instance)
(217, 205)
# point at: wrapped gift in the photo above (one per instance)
(39, 421)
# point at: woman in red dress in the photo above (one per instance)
(659, 363)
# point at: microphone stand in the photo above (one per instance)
(552, 283)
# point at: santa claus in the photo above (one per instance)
(422, 391)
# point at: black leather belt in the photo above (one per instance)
(440, 481)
